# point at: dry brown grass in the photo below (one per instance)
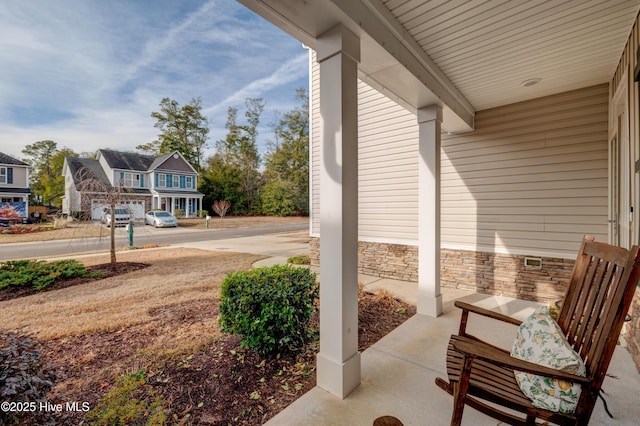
(383, 295)
(240, 221)
(175, 276)
(71, 230)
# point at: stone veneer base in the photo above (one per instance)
(482, 272)
(633, 330)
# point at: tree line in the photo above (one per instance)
(273, 183)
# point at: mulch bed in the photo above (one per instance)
(218, 383)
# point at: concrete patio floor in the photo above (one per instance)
(398, 372)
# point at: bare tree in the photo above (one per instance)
(221, 207)
(91, 188)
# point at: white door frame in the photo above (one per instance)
(620, 217)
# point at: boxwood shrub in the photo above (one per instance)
(269, 307)
(38, 274)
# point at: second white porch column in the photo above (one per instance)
(429, 298)
(338, 52)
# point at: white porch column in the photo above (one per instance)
(339, 360)
(429, 298)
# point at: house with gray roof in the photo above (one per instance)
(167, 182)
(14, 187)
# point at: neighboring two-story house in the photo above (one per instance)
(167, 182)
(14, 187)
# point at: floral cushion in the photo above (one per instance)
(541, 341)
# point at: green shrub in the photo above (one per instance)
(127, 404)
(269, 307)
(23, 377)
(178, 212)
(38, 274)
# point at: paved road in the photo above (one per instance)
(142, 235)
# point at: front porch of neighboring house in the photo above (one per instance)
(178, 204)
(444, 63)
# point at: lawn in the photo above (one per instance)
(157, 327)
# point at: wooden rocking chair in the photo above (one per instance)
(600, 292)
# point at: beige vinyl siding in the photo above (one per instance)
(531, 178)
(19, 177)
(388, 169)
(387, 166)
(314, 106)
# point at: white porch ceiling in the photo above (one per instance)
(469, 55)
(488, 48)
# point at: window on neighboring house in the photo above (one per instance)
(188, 182)
(131, 180)
(3, 175)
(176, 181)
(162, 180)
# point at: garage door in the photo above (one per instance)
(96, 209)
(134, 206)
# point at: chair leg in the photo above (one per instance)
(460, 392)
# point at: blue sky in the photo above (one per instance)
(88, 73)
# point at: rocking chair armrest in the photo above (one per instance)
(467, 307)
(487, 313)
(492, 354)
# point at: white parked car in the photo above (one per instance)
(160, 219)
(122, 216)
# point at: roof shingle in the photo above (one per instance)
(127, 160)
(7, 159)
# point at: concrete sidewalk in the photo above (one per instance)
(278, 247)
(398, 372)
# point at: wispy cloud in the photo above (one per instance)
(175, 35)
(88, 73)
(292, 70)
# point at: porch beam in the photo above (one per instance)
(380, 24)
(429, 300)
(411, 77)
(338, 361)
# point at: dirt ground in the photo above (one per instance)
(159, 320)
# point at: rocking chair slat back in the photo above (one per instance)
(593, 296)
